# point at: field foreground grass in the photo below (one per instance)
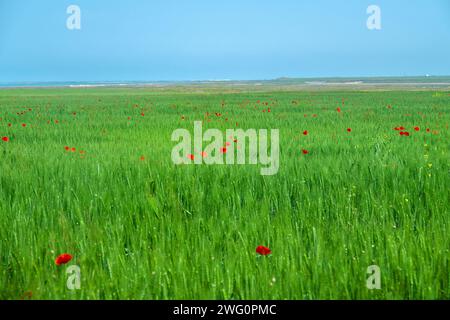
(89, 172)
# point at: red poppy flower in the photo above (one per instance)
(228, 144)
(338, 109)
(263, 250)
(417, 128)
(6, 139)
(428, 129)
(404, 133)
(142, 114)
(24, 125)
(223, 150)
(63, 259)
(9, 124)
(73, 149)
(142, 158)
(349, 129)
(304, 151)
(305, 133)
(66, 148)
(401, 128)
(190, 156)
(27, 294)
(268, 110)
(204, 154)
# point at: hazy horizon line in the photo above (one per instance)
(281, 78)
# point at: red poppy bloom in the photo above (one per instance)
(9, 124)
(338, 109)
(190, 156)
(404, 133)
(268, 110)
(223, 150)
(349, 129)
(227, 143)
(428, 129)
(27, 294)
(304, 151)
(63, 259)
(402, 128)
(142, 114)
(417, 128)
(142, 158)
(204, 154)
(263, 250)
(6, 139)
(66, 148)
(305, 133)
(24, 125)
(73, 149)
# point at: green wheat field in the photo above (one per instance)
(88, 172)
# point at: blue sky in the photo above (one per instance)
(231, 39)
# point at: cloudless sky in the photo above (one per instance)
(229, 39)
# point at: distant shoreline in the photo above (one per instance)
(438, 82)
